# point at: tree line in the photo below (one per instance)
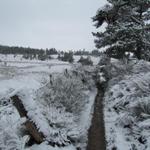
(23, 50)
(35, 51)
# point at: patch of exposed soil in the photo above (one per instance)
(96, 134)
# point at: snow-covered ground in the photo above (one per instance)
(26, 78)
(19, 61)
(126, 105)
(44, 146)
(127, 108)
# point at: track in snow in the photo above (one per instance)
(96, 134)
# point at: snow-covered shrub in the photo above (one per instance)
(64, 125)
(57, 126)
(104, 60)
(9, 140)
(65, 92)
(10, 136)
(127, 106)
(135, 121)
(141, 67)
(137, 111)
(62, 102)
(86, 75)
(142, 109)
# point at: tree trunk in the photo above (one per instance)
(30, 126)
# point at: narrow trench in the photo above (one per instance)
(96, 133)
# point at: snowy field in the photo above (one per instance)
(18, 58)
(28, 77)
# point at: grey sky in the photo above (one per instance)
(63, 24)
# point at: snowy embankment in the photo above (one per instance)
(54, 116)
(127, 108)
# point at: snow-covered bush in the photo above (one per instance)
(66, 92)
(9, 140)
(62, 102)
(104, 60)
(10, 136)
(142, 109)
(127, 106)
(56, 125)
(86, 75)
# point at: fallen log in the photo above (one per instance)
(30, 126)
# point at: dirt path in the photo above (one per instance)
(96, 135)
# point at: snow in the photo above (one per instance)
(85, 121)
(44, 146)
(127, 92)
(86, 117)
(20, 62)
(15, 78)
(126, 108)
(25, 78)
(121, 141)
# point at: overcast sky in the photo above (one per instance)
(63, 24)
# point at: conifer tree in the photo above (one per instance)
(127, 30)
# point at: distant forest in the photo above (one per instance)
(33, 51)
(28, 50)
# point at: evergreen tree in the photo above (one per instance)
(127, 30)
(68, 56)
(95, 52)
(85, 61)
